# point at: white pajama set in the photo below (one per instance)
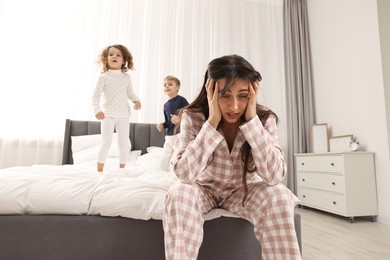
(211, 177)
(115, 87)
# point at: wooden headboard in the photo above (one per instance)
(142, 135)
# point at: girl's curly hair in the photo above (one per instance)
(127, 58)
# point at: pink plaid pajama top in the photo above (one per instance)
(202, 154)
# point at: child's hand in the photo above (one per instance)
(160, 127)
(100, 115)
(137, 105)
(175, 119)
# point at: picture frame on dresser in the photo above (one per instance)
(340, 144)
(319, 138)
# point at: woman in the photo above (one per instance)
(227, 156)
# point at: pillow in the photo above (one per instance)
(86, 147)
(150, 160)
(155, 150)
(134, 156)
(165, 164)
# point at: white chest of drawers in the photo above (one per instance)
(340, 183)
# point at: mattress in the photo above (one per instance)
(137, 191)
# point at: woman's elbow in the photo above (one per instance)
(276, 174)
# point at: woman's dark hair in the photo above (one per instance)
(232, 67)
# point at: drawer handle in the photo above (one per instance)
(332, 164)
(333, 183)
(303, 163)
(303, 179)
(334, 202)
(304, 196)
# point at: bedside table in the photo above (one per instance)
(340, 183)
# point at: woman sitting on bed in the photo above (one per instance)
(227, 156)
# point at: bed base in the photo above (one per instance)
(58, 237)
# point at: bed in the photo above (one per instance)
(53, 229)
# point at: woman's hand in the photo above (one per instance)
(212, 97)
(137, 105)
(250, 112)
(100, 115)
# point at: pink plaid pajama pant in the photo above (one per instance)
(269, 208)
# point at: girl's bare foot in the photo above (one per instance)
(100, 167)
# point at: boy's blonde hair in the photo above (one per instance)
(127, 58)
(176, 80)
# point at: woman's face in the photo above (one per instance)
(234, 101)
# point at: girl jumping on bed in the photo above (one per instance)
(115, 86)
(227, 156)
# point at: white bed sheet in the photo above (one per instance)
(134, 192)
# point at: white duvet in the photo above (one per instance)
(134, 192)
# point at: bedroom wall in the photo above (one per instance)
(349, 88)
(384, 31)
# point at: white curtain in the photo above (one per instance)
(49, 52)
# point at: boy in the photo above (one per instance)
(171, 109)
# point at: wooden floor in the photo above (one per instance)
(328, 236)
